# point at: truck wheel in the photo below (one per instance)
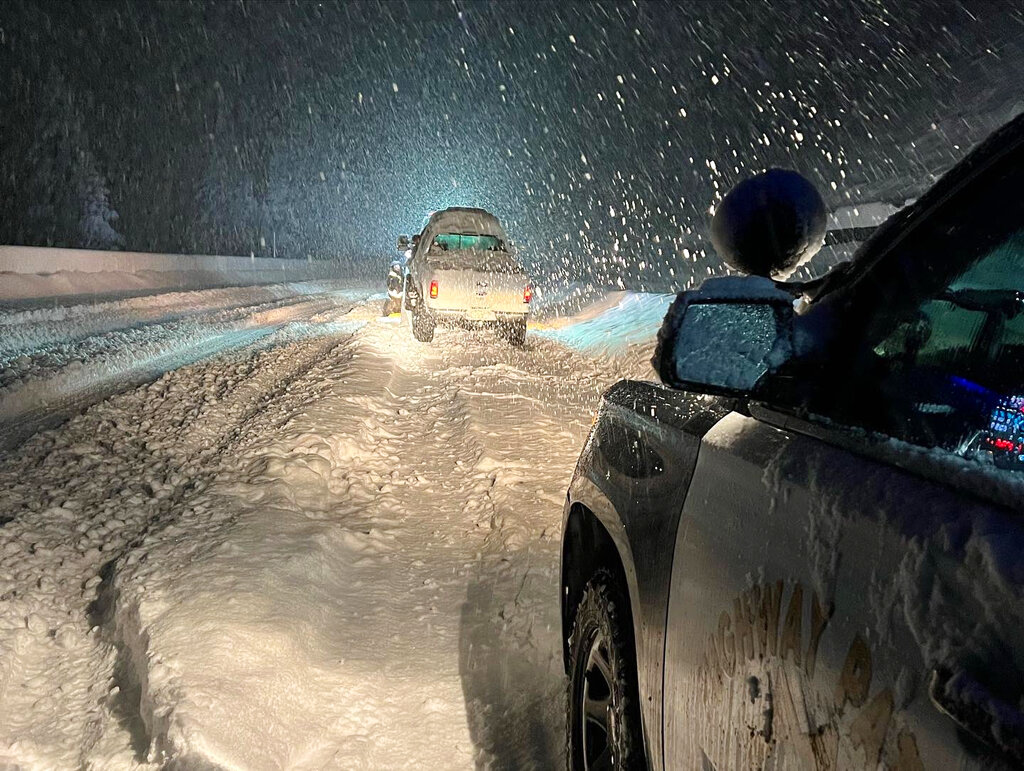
(603, 705)
(422, 325)
(514, 332)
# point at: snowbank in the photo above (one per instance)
(609, 325)
(29, 272)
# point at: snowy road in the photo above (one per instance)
(56, 360)
(331, 548)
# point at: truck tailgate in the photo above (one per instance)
(478, 292)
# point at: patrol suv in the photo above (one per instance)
(802, 549)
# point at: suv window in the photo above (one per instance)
(950, 367)
(936, 355)
(974, 327)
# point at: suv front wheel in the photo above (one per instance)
(603, 705)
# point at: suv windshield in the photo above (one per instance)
(941, 359)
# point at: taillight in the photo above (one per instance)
(433, 290)
(527, 294)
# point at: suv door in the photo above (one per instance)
(847, 590)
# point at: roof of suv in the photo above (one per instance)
(890, 233)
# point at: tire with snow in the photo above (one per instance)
(514, 332)
(422, 325)
(603, 704)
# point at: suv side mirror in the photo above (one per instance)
(722, 338)
(403, 244)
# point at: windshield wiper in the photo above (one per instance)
(1005, 302)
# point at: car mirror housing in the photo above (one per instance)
(723, 338)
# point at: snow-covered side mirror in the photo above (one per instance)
(403, 243)
(724, 337)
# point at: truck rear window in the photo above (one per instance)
(459, 251)
(453, 242)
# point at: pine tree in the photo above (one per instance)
(95, 227)
(65, 198)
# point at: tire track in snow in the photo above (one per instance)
(80, 497)
(510, 653)
(322, 510)
(43, 387)
(320, 556)
(377, 581)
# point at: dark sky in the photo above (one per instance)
(601, 132)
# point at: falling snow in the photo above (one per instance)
(208, 477)
(326, 129)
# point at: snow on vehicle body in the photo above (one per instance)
(462, 270)
(805, 552)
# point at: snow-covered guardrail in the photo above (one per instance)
(28, 272)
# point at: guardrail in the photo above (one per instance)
(28, 272)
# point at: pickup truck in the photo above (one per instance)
(462, 270)
(804, 548)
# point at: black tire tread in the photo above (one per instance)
(514, 332)
(604, 603)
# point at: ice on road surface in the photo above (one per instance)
(332, 548)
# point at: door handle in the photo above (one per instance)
(980, 713)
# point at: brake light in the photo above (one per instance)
(433, 290)
(527, 294)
